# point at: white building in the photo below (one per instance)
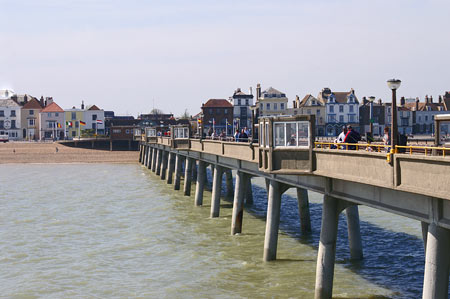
(10, 119)
(95, 119)
(241, 102)
(271, 102)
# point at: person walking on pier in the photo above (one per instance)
(352, 137)
(387, 139)
(341, 138)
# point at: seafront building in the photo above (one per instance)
(242, 116)
(271, 102)
(51, 121)
(311, 106)
(30, 119)
(90, 118)
(217, 116)
(10, 115)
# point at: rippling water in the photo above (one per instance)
(119, 231)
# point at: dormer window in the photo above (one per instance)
(313, 102)
(266, 95)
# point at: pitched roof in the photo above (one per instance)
(217, 103)
(32, 104)
(306, 98)
(272, 90)
(53, 107)
(93, 107)
(423, 106)
(8, 103)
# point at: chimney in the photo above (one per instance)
(294, 104)
(440, 99)
(426, 99)
(82, 105)
(25, 99)
(380, 102)
(417, 104)
(251, 91)
(431, 99)
(352, 91)
(42, 101)
(258, 91)
(365, 101)
(402, 101)
(48, 101)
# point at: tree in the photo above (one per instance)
(156, 111)
(185, 115)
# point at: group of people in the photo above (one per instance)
(239, 136)
(348, 135)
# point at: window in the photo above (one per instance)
(313, 102)
(239, 102)
(351, 108)
(51, 124)
(331, 109)
(282, 106)
(318, 112)
(77, 124)
(420, 118)
(74, 115)
(275, 106)
(246, 102)
(13, 124)
(2, 124)
(31, 112)
(225, 111)
(261, 106)
(13, 134)
(341, 118)
(291, 134)
(117, 131)
(210, 111)
(151, 133)
(127, 131)
(13, 113)
(49, 114)
(94, 116)
(389, 110)
(2, 113)
(56, 114)
(268, 106)
(31, 122)
(352, 118)
(341, 108)
(94, 126)
(332, 118)
(308, 111)
(426, 117)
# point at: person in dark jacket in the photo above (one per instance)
(352, 137)
(243, 137)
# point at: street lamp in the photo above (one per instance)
(371, 99)
(394, 84)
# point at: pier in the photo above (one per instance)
(412, 185)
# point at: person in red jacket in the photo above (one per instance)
(352, 137)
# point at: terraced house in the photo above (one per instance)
(30, 119)
(10, 119)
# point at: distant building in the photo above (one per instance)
(10, 116)
(423, 114)
(217, 113)
(30, 119)
(271, 102)
(378, 114)
(241, 108)
(51, 121)
(342, 109)
(310, 105)
(95, 119)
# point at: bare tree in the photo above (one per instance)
(185, 115)
(156, 111)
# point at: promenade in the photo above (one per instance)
(52, 152)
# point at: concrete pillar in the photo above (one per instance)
(437, 263)
(217, 187)
(354, 233)
(188, 176)
(150, 157)
(303, 210)
(141, 151)
(110, 146)
(171, 168)
(267, 181)
(249, 190)
(165, 161)
(159, 161)
(424, 235)
(194, 171)
(327, 248)
(238, 203)
(273, 221)
(200, 186)
(178, 164)
(154, 158)
(229, 182)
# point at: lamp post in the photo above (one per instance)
(371, 99)
(394, 84)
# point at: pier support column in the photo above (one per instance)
(303, 210)
(267, 181)
(216, 189)
(354, 233)
(188, 176)
(159, 161)
(149, 157)
(249, 190)
(141, 151)
(327, 247)
(272, 221)
(194, 170)
(424, 235)
(143, 155)
(229, 182)
(164, 165)
(200, 186)
(154, 158)
(171, 168)
(238, 203)
(178, 168)
(437, 263)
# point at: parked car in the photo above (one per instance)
(4, 137)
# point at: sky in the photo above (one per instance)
(132, 56)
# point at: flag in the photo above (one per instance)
(99, 121)
(69, 124)
(82, 123)
(199, 120)
(58, 125)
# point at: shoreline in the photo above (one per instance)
(56, 153)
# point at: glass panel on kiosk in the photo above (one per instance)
(303, 133)
(267, 134)
(291, 134)
(279, 134)
(262, 133)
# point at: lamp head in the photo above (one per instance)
(394, 83)
(371, 99)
